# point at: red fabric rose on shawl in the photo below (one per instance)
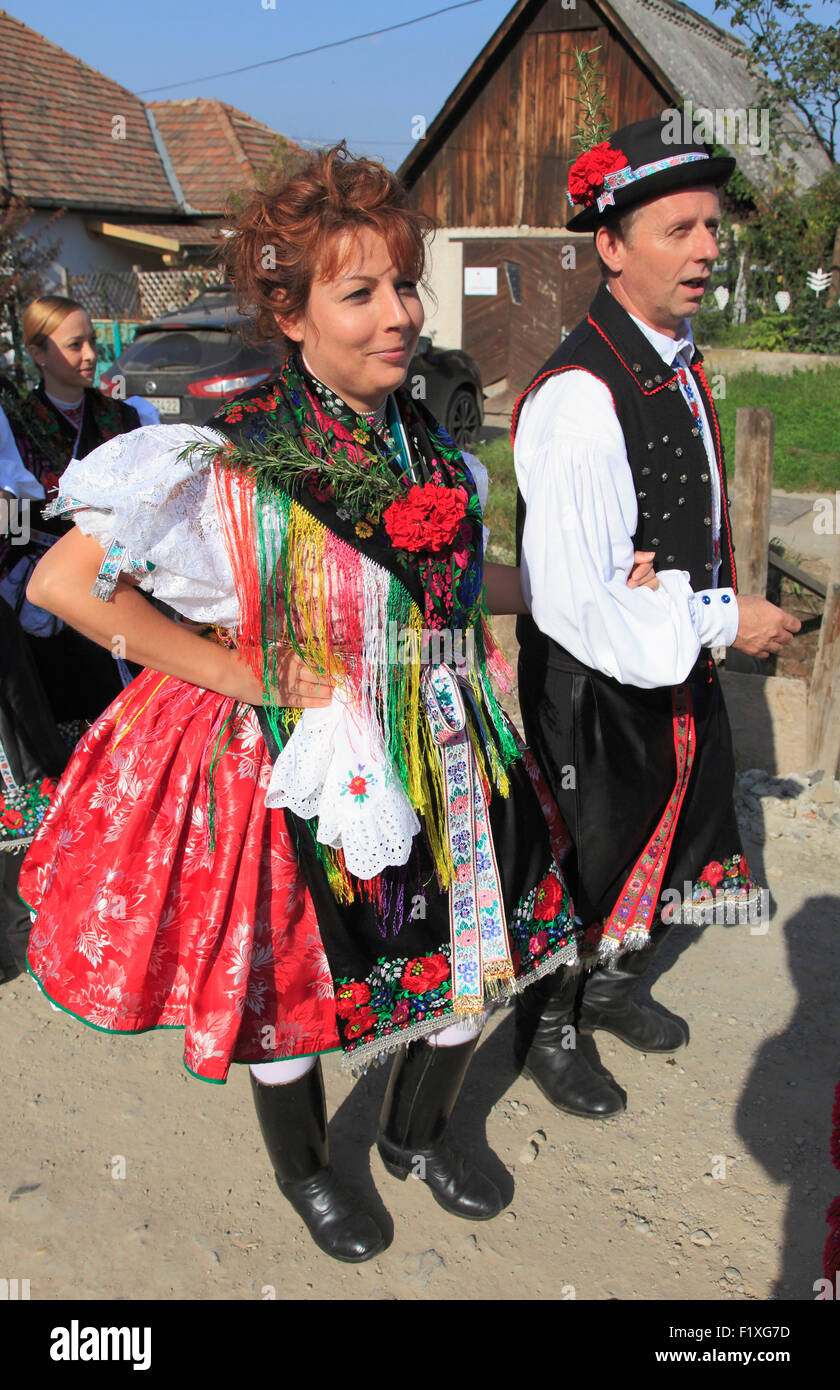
(587, 174)
(424, 973)
(427, 518)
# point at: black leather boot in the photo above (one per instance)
(606, 1003)
(422, 1090)
(546, 1049)
(293, 1120)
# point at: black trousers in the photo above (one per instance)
(607, 751)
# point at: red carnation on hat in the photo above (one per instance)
(587, 174)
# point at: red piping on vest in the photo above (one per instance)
(634, 376)
(555, 371)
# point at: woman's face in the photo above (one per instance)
(359, 331)
(68, 360)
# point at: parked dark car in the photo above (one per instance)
(188, 362)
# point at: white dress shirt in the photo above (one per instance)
(577, 546)
(14, 478)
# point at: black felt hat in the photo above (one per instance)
(640, 161)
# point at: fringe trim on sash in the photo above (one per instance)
(308, 587)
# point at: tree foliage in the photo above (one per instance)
(24, 260)
(794, 59)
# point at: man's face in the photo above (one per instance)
(661, 270)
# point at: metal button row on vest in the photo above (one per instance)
(665, 438)
(704, 477)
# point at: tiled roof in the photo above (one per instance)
(58, 121)
(214, 148)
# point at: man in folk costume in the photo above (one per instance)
(617, 447)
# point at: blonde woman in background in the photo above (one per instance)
(65, 417)
(49, 673)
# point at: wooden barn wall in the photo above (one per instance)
(513, 340)
(506, 162)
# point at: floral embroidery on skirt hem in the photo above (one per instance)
(377, 1052)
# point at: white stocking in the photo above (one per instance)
(453, 1035)
(282, 1072)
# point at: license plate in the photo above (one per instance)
(166, 405)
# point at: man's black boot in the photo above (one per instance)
(607, 1004)
(293, 1120)
(422, 1090)
(546, 1049)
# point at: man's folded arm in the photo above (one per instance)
(577, 546)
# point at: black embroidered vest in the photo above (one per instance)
(45, 440)
(665, 449)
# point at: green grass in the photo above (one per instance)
(500, 516)
(807, 410)
(807, 452)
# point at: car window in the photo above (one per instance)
(183, 350)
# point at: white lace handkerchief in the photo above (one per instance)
(335, 767)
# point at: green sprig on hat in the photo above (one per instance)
(595, 123)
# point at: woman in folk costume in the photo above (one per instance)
(32, 749)
(64, 418)
(307, 826)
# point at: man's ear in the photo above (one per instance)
(609, 245)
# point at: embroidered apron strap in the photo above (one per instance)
(481, 963)
(6, 775)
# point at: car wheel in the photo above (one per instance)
(462, 416)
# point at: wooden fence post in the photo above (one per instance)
(823, 733)
(755, 431)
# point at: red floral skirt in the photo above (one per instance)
(167, 896)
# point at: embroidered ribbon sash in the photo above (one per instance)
(481, 962)
(628, 925)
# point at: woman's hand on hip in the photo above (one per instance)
(296, 687)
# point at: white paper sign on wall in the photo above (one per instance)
(481, 279)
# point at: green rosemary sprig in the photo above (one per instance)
(278, 459)
(595, 123)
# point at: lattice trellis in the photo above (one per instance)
(145, 294)
(107, 294)
(163, 290)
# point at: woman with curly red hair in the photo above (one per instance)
(307, 825)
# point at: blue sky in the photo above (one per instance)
(368, 92)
